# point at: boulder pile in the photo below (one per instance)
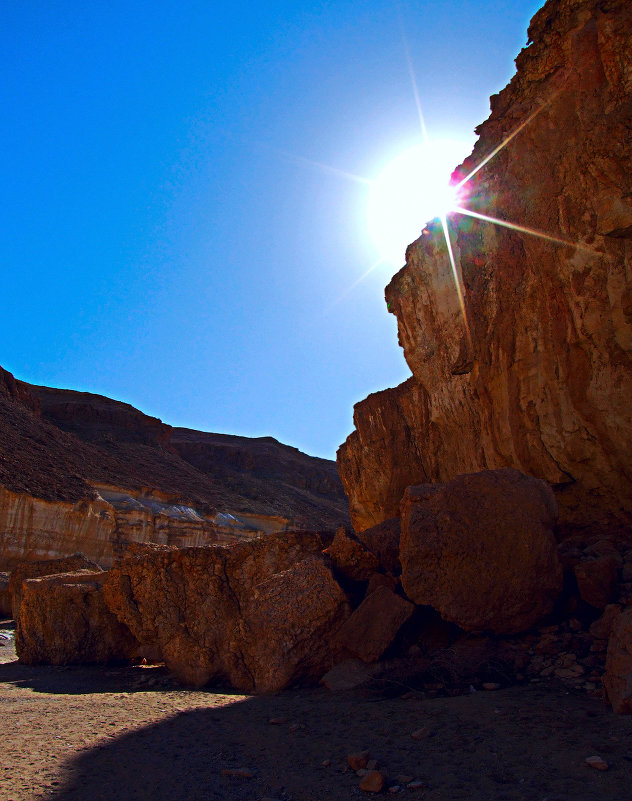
(476, 592)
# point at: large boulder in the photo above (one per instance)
(373, 626)
(350, 557)
(261, 614)
(5, 596)
(481, 550)
(45, 567)
(64, 620)
(617, 680)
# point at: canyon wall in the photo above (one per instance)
(535, 370)
(82, 472)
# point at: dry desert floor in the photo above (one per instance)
(113, 734)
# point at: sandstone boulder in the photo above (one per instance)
(383, 541)
(45, 567)
(350, 557)
(261, 614)
(374, 624)
(618, 677)
(481, 550)
(64, 620)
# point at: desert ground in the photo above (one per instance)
(112, 734)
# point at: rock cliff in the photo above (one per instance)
(535, 371)
(81, 472)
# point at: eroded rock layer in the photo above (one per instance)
(535, 370)
(81, 472)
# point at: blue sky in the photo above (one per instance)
(167, 238)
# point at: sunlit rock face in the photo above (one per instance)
(543, 380)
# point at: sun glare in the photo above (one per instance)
(411, 190)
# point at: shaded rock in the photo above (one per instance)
(261, 614)
(617, 680)
(373, 782)
(602, 627)
(349, 674)
(358, 759)
(481, 551)
(63, 620)
(383, 541)
(5, 596)
(350, 557)
(45, 567)
(597, 580)
(373, 626)
(380, 580)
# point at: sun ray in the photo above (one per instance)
(359, 179)
(455, 275)
(411, 73)
(523, 229)
(506, 140)
(352, 286)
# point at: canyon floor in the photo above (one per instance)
(112, 734)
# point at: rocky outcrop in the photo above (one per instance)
(6, 610)
(481, 550)
(261, 614)
(64, 620)
(618, 678)
(83, 472)
(45, 567)
(534, 372)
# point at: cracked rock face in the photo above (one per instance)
(540, 376)
(260, 614)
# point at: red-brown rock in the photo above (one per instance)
(481, 551)
(618, 677)
(45, 567)
(64, 620)
(597, 580)
(532, 370)
(5, 596)
(374, 624)
(350, 557)
(261, 614)
(383, 541)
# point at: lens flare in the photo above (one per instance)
(412, 189)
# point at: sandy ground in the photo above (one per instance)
(104, 734)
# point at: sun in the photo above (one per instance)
(412, 189)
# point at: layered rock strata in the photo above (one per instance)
(81, 472)
(534, 371)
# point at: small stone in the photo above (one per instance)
(420, 734)
(296, 727)
(415, 785)
(597, 762)
(361, 772)
(277, 721)
(402, 779)
(371, 764)
(373, 782)
(358, 760)
(491, 685)
(240, 773)
(326, 763)
(395, 788)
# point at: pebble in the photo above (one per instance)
(358, 760)
(371, 764)
(416, 785)
(326, 763)
(420, 734)
(240, 773)
(491, 685)
(401, 779)
(277, 721)
(597, 762)
(394, 789)
(373, 782)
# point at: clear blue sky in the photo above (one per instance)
(164, 238)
